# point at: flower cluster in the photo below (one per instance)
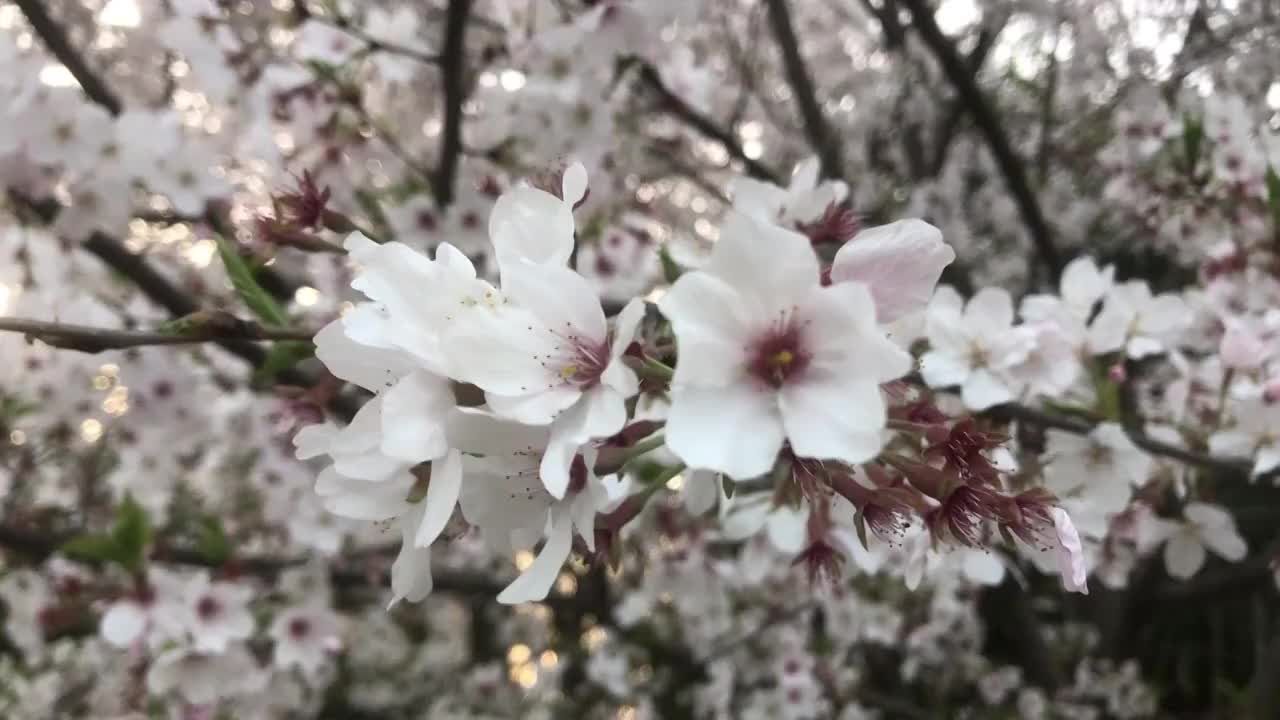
(511, 306)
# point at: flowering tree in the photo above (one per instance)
(639, 359)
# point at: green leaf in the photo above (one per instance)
(728, 485)
(92, 548)
(281, 357)
(212, 541)
(671, 270)
(131, 533)
(257, 299)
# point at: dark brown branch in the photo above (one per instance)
(453, 62)
(364, 568)
(708, 128)
(55, 39)
(206, 327)
(950, 121)
(164, 293)
(822, 137)
(1007, 161)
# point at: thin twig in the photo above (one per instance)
(822, 138)
(55, 39)
(950, 120)
(1007, 161)
(1076, 426)
(453, 65)
(209, 328)
(363, 568)
(374, 44)
(676, 106)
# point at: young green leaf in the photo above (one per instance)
(257, 299)
(671, 270)
(212, 541)
(131, 533)
(92, 548)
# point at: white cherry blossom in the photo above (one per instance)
(766, 355)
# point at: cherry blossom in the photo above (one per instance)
(759, 334)
(1203, 526)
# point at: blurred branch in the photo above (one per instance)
(453, 68)
(374, 44)
(1222, 582)
(357, 569)
(822, 138)
(205, 327)
(1077, 426)
(676, 106)
(161, 291)
(1045, 147)
(887, 15)
(55, 39)
(989, 124)
(945, 132)
(1006, 609)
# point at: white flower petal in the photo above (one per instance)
(123, 624)
(573, 186)
(711, 328)
(771, 268)
(1071, 565)
(442, 497)
(736, 429)
(561, 299)
(536, 581)
(527, 223)
(414, 416)
(841, 418)
(900, 262)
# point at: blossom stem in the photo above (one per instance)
(631, 507)
(641, 448)
(657, 370)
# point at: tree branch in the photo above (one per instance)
(822, 138)
(55, 39)
(1007, 161)
(374, 44)
(205, 327)
(1076, 426)
(363, 568)
(708, 128)
(453, 61)
(946, 128)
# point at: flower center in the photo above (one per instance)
(299, 628)
(581, 361)
(778, 355)
(208, 607)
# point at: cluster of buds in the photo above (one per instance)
(942, 475)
